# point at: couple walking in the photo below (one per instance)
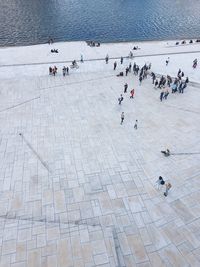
(122, 120)
(160, 182)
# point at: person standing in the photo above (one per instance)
(153, 77)
(161, 96)
(156, 84)
(160, 182)
(64, 71)
(67, 69)
(81, 58)
(50, 70)
(132, 92)
(183, 87)
(122, 118)
(179, 72)
(106, 59)
(127, 70)
(120, 99)
(54, 71)
(167, 61)
(136, 125)
(166, 94)
(115, 65)
(125, 87)
(194, 64)
(186, 80)
(121, 60)
(140, 79)
(168, 187)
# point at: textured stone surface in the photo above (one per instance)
(79, 188)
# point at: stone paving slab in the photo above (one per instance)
(79, 190)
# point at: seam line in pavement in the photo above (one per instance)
(95, 59)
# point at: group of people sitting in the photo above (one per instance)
(190, 42)
(93, 44)
(54, 50)
(50, 41)
(166, 152)
(136, 48)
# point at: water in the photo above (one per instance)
(24, 22)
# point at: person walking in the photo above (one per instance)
(127, 70)
(167, 61)
(120, 99)
(64, 71)
(122, 118)
(161, 96)
(121, 60)
(166, 93)
(129, 67)
(81, 58)
(132, 92)
(115, 65)
(136, 125)
(168, 187)
(67, 69)
(125, 87)
(159, 182)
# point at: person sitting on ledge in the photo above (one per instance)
(166, 153)
(136, 48)
(74, 62)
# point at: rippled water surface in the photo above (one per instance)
(33, 21)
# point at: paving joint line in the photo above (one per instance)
(22, 103)
(35, 153)
(95, 59)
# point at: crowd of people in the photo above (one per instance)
(165, 83)
(178, 84)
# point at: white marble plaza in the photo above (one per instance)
(77, 188)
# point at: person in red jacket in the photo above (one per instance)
(132, 92)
